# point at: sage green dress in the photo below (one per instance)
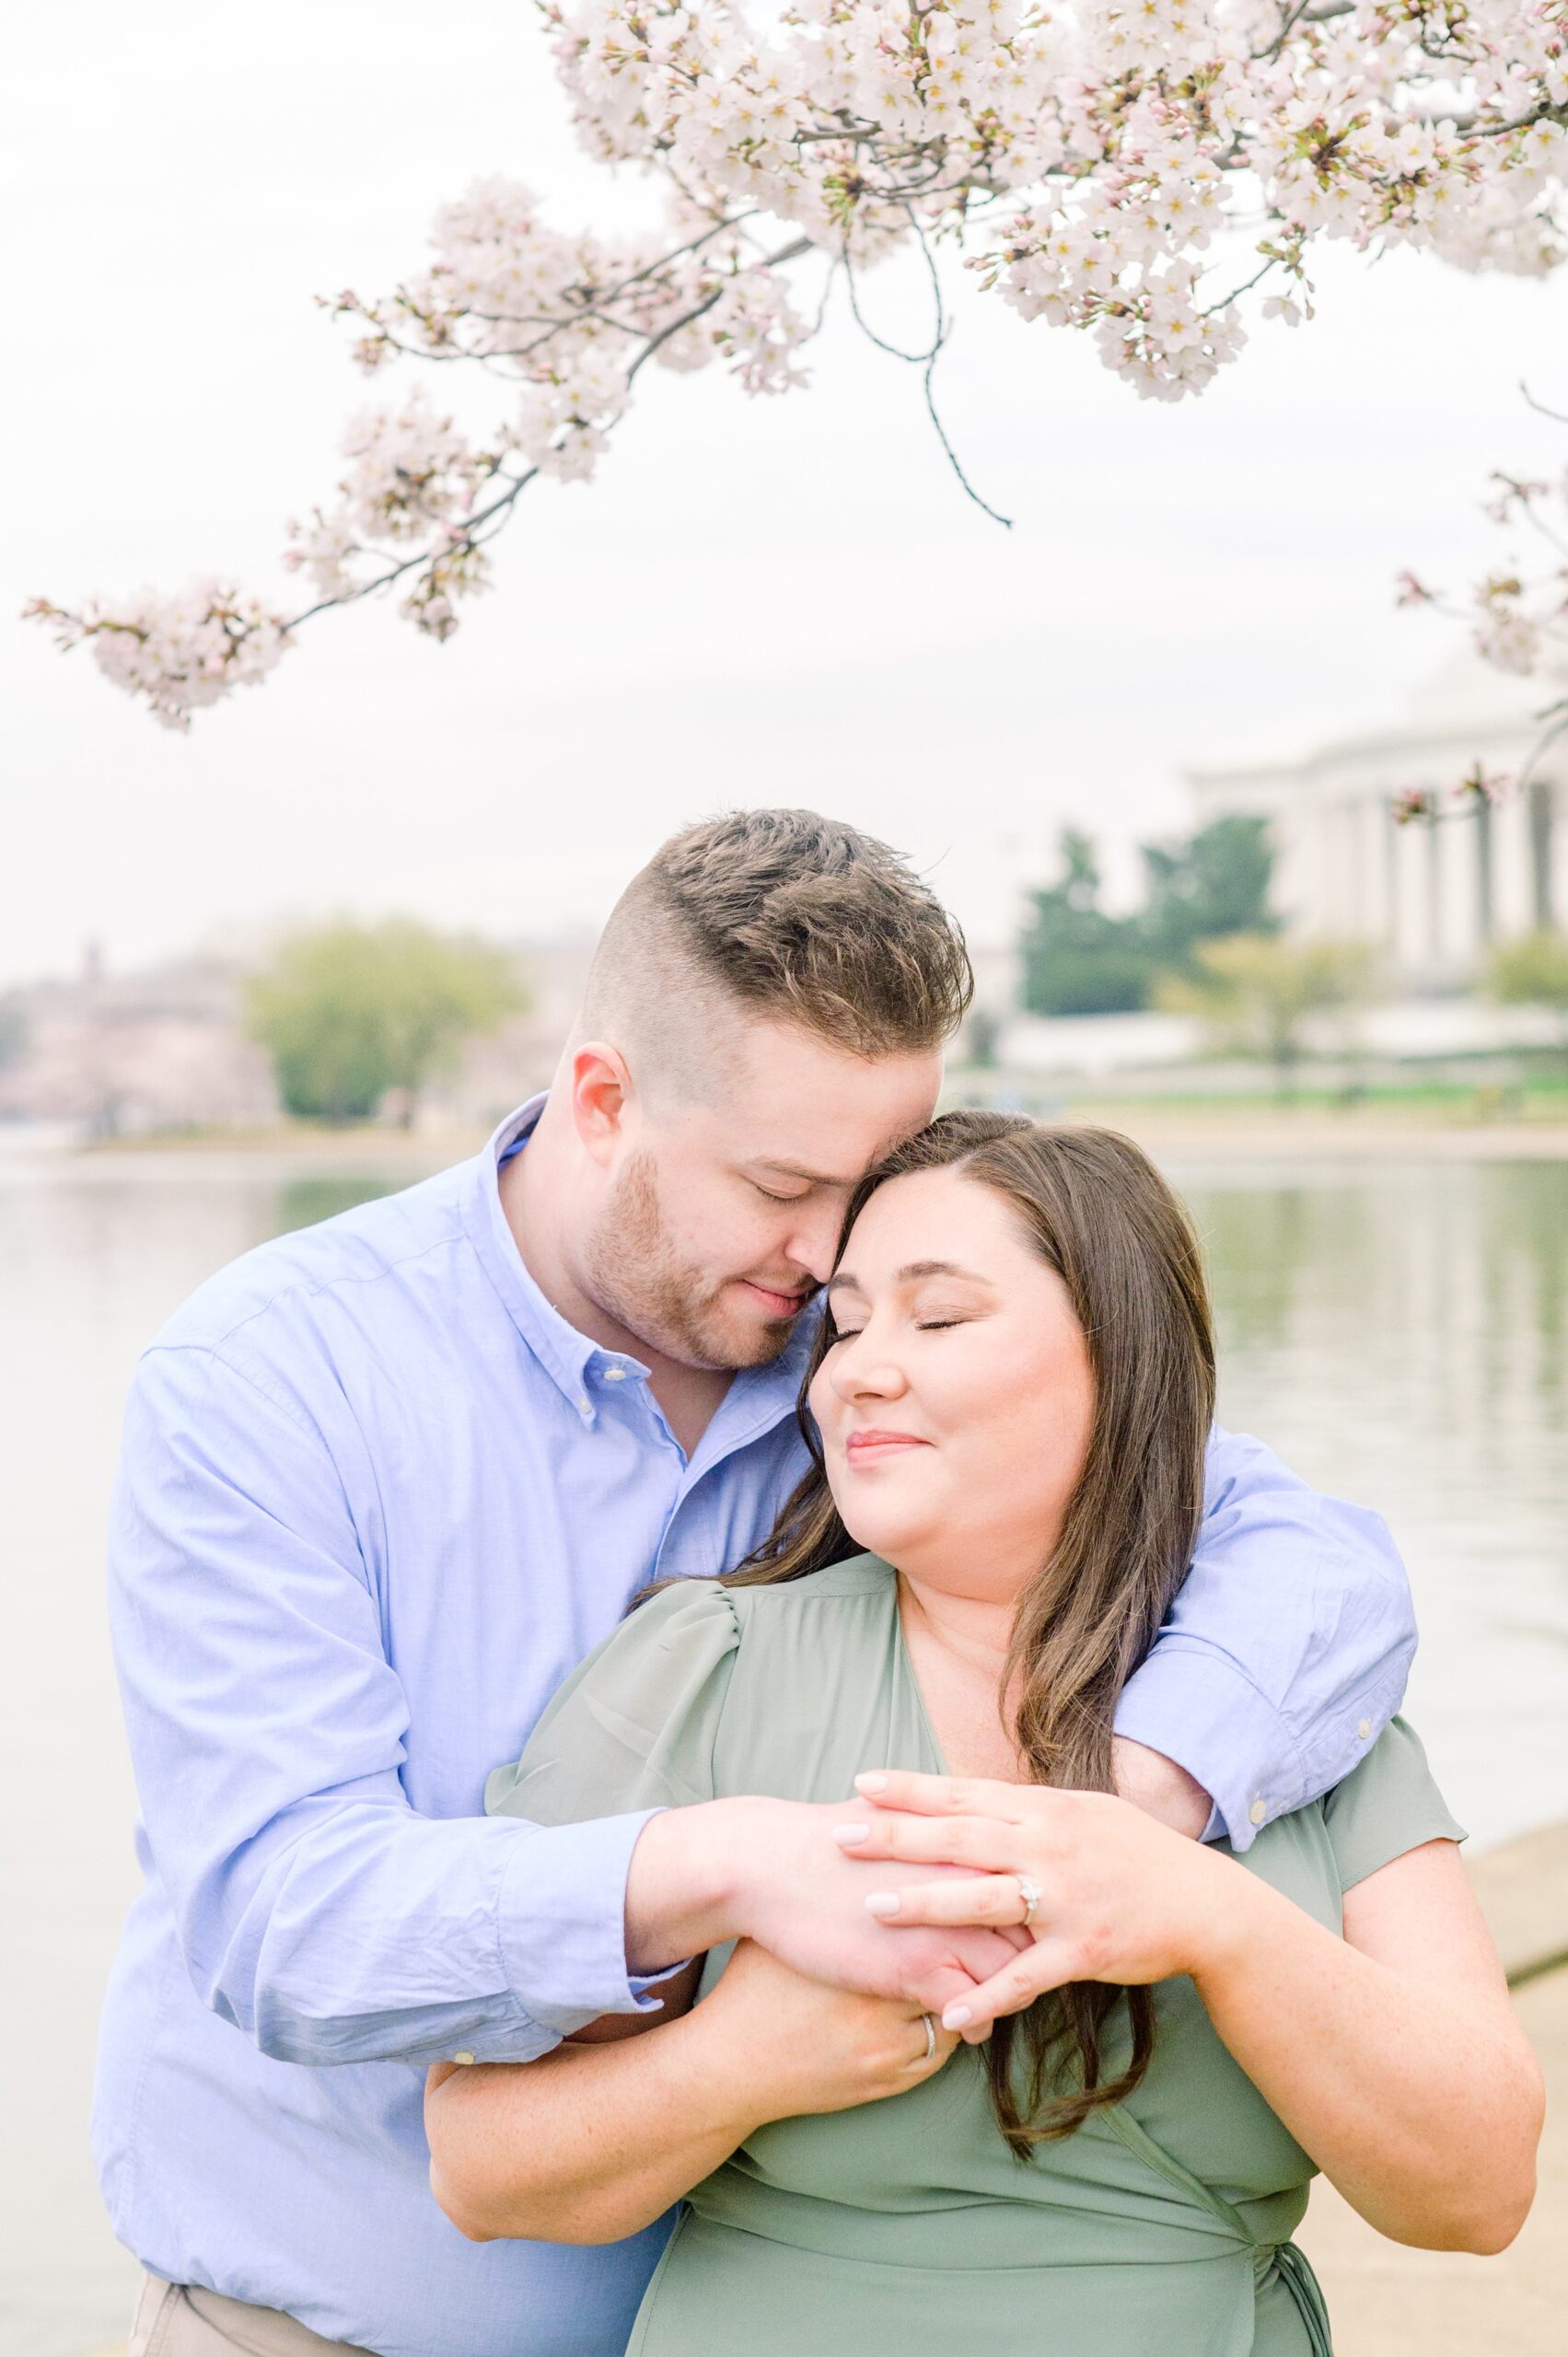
(1160, 2229)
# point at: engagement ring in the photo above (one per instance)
(1031, 1894)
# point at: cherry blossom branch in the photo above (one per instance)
(1090, 161)
(937, 341)
(1518, 623)
(1558, 417)
(1556, 717)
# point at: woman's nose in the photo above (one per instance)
(862, 1368)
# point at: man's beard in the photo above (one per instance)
(632, 1268)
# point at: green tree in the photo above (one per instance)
(1076, 959)
(1256, 992)
(978, 1040)
(1533, 971)
(349, 1012)
(14, 1031)
(1215, 883)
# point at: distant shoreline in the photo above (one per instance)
(1244, 1130)
(1362, 1135)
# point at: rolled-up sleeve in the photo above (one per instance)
(1286, 1650)
(318, 1912)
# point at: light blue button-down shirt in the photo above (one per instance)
(377, 1498)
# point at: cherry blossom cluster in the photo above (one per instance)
(1155, 173)
(1477, 790)
(178, 652)
(1517, 617)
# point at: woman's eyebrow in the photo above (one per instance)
(911, 1273)
(913, 1270)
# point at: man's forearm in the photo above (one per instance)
(684, 1884)
(1159, 1787)
(1283, 1650)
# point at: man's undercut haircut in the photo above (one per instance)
(787, 916)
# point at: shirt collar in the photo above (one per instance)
(564, 1354)
(759, 1397)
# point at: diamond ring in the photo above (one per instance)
(929, 2037)
(1031, 1894)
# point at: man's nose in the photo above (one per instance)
(814, 1242)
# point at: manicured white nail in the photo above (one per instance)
(956, 2016)
(848, 1835)
(883, 1902)
(869, 1784)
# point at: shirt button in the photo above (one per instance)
(584, 1402)
(615, 1375)
(462, 2057)
(1257, 1812)
(1365, 1729)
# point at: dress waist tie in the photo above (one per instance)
(1295, 2267)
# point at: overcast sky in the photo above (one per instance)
(757, 600)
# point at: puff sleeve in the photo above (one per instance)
(633, 1727)
(1388, 1804)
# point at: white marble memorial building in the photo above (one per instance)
(1431, 896)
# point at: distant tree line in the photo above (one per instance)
(351, 1012)
(1533, 971)
(1079, 959)
(1205, 944)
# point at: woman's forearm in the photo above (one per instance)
(598, 2139)
(1418, 2098)
(588, 2144)
(1392, 2053)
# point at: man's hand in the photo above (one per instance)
(1159, 1787)
(770, 1871)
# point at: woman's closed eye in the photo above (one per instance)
(933, 1316)
(934, 1325)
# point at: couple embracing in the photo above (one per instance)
(961, 1902)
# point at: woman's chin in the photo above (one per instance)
(887, 1534)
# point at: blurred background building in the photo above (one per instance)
(102, 1055)
(1361, 951)
(1432, 900)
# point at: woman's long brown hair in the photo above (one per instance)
(1098, 1212)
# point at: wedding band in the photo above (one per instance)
(929, 2037)
(1031, 1894)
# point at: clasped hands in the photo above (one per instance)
(918, 1900)
(1121, 1897)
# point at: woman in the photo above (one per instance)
(1013, 1390)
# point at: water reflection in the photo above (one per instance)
(301, 1203)
(1397, 1331)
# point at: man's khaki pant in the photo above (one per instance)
(182, 2320)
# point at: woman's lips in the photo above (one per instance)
(873, 1446)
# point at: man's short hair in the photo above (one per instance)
(795, 918)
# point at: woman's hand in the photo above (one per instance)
(1120, 1896)
(790, 2045)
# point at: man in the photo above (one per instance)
(385, 1482)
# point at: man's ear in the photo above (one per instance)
(602, 1096)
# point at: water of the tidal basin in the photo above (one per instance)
(1397, 1331)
